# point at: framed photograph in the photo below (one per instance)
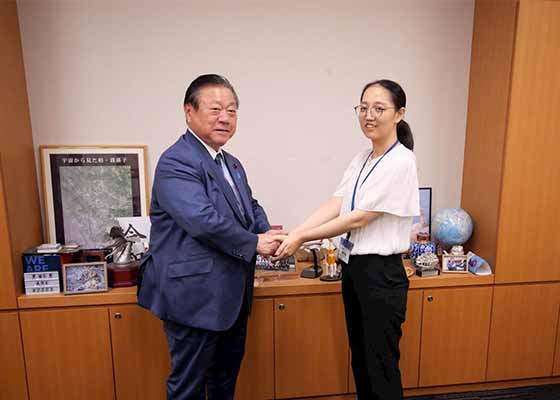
(455, 263)
(86, 188)
(85, 277)
(423, 223)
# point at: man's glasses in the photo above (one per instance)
(376, 111)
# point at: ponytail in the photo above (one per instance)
(404, 134)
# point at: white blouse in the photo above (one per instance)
(391, 189)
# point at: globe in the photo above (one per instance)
(452, 226)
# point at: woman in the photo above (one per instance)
(373, 205)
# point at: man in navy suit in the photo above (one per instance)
(206, 231)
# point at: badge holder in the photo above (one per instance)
(315, 270)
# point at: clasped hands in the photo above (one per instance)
(279, 244)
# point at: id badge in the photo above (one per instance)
(345, 250)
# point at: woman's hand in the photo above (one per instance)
(290, 244)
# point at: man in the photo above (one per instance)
(206, 231)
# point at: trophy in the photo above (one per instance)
(123, 271)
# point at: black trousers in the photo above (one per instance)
(205, 364)
(374, 290)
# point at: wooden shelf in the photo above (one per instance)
(114, 296)
(269, 288)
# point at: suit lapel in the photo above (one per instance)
(218, 175)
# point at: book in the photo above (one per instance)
(49, 248)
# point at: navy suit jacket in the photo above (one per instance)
(201, 260)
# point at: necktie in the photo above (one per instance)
(219, 161)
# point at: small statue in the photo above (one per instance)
(121, 247)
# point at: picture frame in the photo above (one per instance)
(86, 188)
(89, 277)
(451, 263)
(423, 222)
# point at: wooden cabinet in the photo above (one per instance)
(510, 175)
(68, 354)
(256, 377)
(524, 331)
(12, 367)
(140, 353)
(311, 346)
(409, 345)
(455, 326)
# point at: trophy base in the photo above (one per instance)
(312, 272)
(122, 275)
(328, 278)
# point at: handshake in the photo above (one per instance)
(278, 244)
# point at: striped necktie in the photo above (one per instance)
(220, 162)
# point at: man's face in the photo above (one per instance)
(215, 120)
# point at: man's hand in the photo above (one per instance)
(267, 245)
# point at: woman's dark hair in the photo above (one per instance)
(404, 134)
(191, 95)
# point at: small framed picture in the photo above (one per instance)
(455, 263)
(87, 277)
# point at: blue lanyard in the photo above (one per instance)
(370, 171)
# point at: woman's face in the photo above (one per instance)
(379, 121)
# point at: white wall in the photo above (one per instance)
(115, 72)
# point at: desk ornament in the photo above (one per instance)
(333, 272)
(123, 271)
(426, 264)
(315, 270)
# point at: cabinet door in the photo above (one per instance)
(140, 353)
(12, 369)
(256, 378)
(409, 345)
(523, 334)
(68, 354)
(311, 347)
(455, 326)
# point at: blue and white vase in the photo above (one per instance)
(421, 246)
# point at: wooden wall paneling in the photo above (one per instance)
(16, 144)
(12, 367)
(529, 241)
(523, 331)
(7, 281)
(490, 73)
(256, 377)
(455, 327)
(311, 346)
(68, 354)
(140, 353)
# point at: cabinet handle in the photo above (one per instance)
(430, 298)
(281, 306)
(118, 315)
